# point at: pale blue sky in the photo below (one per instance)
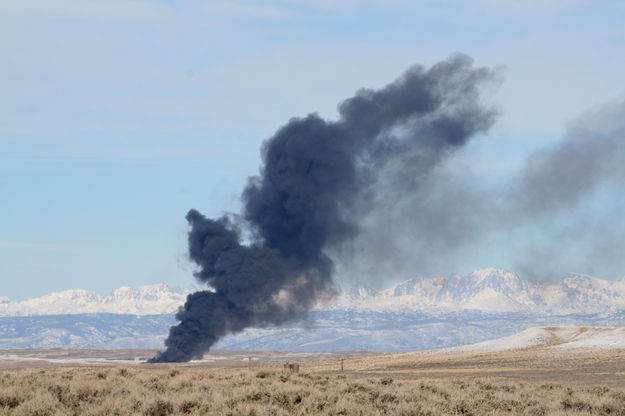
(116, 117)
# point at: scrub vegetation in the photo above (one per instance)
(269, 390)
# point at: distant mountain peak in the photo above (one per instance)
(490, 271)
(362, 292)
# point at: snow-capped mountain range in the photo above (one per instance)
(486, 290)
(420, 313)
(493, 291)
(143, 300)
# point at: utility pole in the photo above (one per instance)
(249, 363)
(341, 365)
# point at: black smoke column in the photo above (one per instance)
(318, 180)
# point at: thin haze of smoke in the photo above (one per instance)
(593, 152)
(562, 212)
(318, 182)
(574, 194)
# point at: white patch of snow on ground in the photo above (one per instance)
(525, 339)
(597, 338)
(566, 337)
(94, 360)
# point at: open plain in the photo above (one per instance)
(543, 379)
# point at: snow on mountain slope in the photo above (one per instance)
(94, 330)
(487, 290)
(143, 300)
(575, 290)
(565, 337)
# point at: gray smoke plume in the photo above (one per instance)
(591, 154)
(562, 211)
(573, 194)
(319, 181)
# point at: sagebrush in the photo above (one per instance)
(146, 390)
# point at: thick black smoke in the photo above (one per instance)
(318, 181)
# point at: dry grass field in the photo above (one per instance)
(538, 381)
